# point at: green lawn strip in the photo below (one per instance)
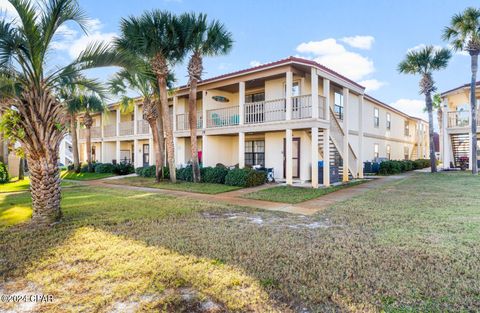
(289, 194)
(16, 185)
(180, 185)
(84, 176)
(409, 246)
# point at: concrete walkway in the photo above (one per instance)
(234, 197)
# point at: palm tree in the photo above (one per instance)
(202, 39)
(423, 62)
(91, 104)
(146, 87)
(155, 37)
(29, 91)
(464, 34)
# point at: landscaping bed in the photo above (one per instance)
(290, 194)
(71, 175)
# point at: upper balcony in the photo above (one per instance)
(260, 112)
(458, 119)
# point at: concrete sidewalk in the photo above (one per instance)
(235, 197)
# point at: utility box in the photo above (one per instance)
(334, 173)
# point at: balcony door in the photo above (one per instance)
(146, 155)
(295, 158)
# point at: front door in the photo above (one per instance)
(146, 155)
(295, 158)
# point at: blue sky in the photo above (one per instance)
(364, 40)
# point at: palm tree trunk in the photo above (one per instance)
(161, 144)
(73, 134)
(433, 161)
(21, 169)
(473, 110)
(88, 140)
(192, 121)
(156, 147)
(167, 126)
(45, 185)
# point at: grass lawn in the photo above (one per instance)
(84, 176)
(180, 185)
(289, 194)
(22, 185)
(409, 246)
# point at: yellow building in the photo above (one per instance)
(285, 115)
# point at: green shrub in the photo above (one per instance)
(421, 163)
(4, 177)
(214, 175)
(104, 168)
(245, 177)
(139, 170)
(390, 167)
(123, 169)
(185, 173)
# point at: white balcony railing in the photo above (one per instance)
(223, 117)
(301, 107)
(458, 118)
(182, 121)
(110, 130)
(96, 132)
(82, 133)
(142, 127)
(126, 128)
(265, 111)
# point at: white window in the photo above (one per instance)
(338, 105)
(389, 121)
(376, 117)
(375, 151)
(407, 128)
(389, 152)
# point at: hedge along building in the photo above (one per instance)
(286, 115)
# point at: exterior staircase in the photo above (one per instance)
(414, 154)
(460, 147)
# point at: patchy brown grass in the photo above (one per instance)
(409, 246)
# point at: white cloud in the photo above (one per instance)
(360, 42)
(74, 42)
(255, 63)
(7, 10)
(413, 107)
(372, 84)
(334, 55)
(421, 46)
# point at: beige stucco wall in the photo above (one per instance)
(220, 149)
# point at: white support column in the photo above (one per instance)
(346, 96)
(288, 95)
(118, 118)
(326, 94)
(470, 156)
(151, 152)
(205, 150)
(135, 119)
(136, 153)
(117, 151)
(241, 149)
(174, 117)
(204, 111)
(360, 137)
(289, 156)
(103, 159)
(241, 102)
(315, 157)
(314, 87)
(102, 122)
(446, 142)
(326, 157)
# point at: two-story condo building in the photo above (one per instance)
(285, 115)
(455, 127)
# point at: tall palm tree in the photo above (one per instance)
(155, 36)
(146, 87)
(201, 39)
(30, 85)
(464, 34)
(423, 62)
(90, 104)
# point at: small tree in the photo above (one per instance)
(423, 62)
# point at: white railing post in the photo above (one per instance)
(346, 96)
(175, 102)
(446, 144)
(314, 81)
(288, 95)
(326, 94)
(360, 137)
(241, 102)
